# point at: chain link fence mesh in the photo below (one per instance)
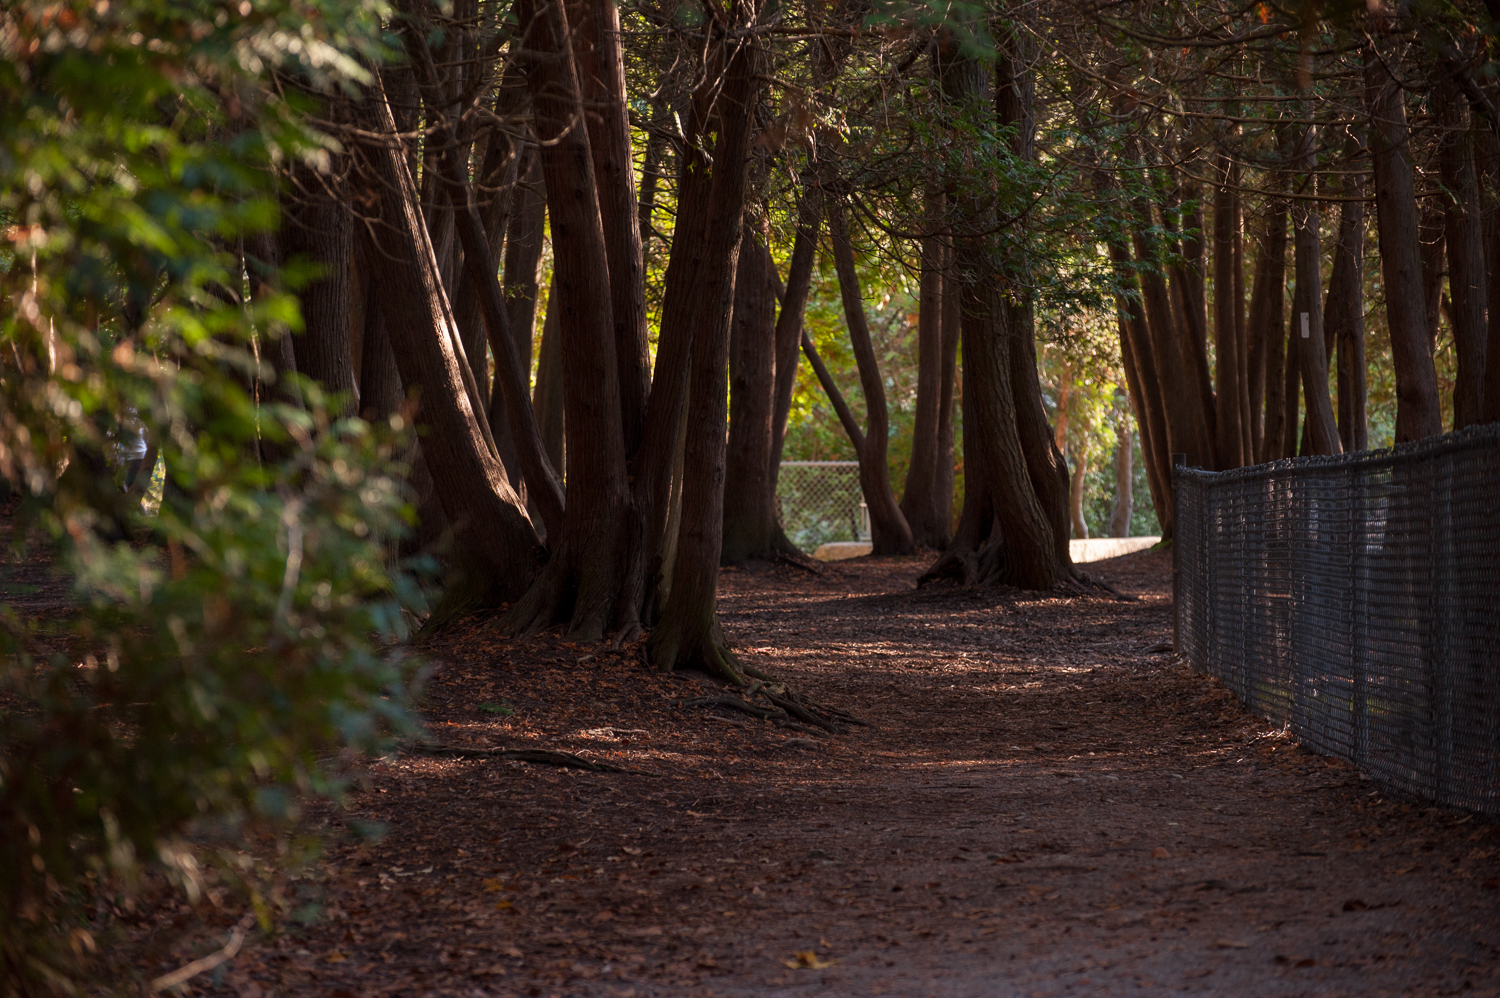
(1355, 601)
(821, 501)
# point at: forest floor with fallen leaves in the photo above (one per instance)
(1047, 803)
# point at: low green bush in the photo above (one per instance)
(210, 654)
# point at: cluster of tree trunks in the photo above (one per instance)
(1277, 354)
(595, 501)
(605, 498)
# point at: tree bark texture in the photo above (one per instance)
(1466, 271)
(948, 372)
(492, 191)
(547, 397)
(380, 389)
(1417, 411)
(581, 582)
(750, 526)
(1266, 307)
(1189, 415)
(1227, 348)
(1344, 317)
(667, 404)
(788, 338)
(601, 73)
(1434, 252)
(1020, 472)
(1491, 174)
(1123, 510)
(1272, 329)
(688, 633)
(919, 494)
(1307, 313)
(481, 277)
(889, 532)
(1142, 379)
(522, 271)
(467, 476)
(1075, 498)
(317, 227)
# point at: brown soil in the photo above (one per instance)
(1044, 806)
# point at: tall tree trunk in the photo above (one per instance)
(667, 405)
(601, 73)
(1185, 279)
(1075, 497)
(1026, 553)
(1307, 311)
(493, 192)
(1189, 415)
(1256, 325)
(1344, 317)
(1227, 348)
(750, 527)
(1015, 113)
(1123, 510)
(789, 319)
(688, 634)
(524, 240)
(651, 168)
(1195, 268)
(1434, 251)
(889, 532)
(1271, 323)
(496, 535)
(1466, 271)
(1143, 380)
(380, 390)
(581, 582)
(1242, 333)
(1491, 172)
(522, 272)
(919, 494)
(482, 278)
(951, 330)
(318, 228)
(1158, 481)
(1417, 410)
(547, 397)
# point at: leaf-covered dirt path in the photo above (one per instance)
(1045, 806)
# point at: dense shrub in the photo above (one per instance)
(212, 652)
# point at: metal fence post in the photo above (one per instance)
(1178, 461)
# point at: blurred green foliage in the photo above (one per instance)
(209, 655)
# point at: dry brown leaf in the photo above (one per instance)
(808, 961)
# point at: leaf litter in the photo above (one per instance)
(1043, 802)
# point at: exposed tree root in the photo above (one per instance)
(985, 566)
(540, 757)
(981, 566)
(679, 644)
(782, 706)
(1080, 583)
(796, 559)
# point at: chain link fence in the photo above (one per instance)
(1355, 600)
(821, 501)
